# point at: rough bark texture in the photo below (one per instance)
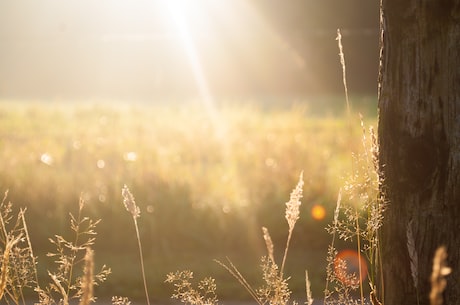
(419, 131)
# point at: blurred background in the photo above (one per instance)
(115, 49)
(207, 109)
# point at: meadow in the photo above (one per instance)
(205, 180)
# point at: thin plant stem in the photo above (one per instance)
(382, 284)
(240, 278)
(5, 232)
(359, 259)
(142, 260)
(292, 215)
(29, 243)
(285, 253)
(130, 205)
(77, 236)
(344, 71)
(335, 224)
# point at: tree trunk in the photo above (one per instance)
(419, 132)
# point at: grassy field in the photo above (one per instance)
(206, 180)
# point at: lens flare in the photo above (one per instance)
(346, 267)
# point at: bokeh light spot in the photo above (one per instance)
(226, 209)
(130, 156)
(47, 159)
(350, 275)
(76, 144)
(318, 212)
(100, 164)
(270, 162)
(150, 209)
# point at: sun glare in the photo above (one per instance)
(230, 46)
(178, 10)
(221, 41)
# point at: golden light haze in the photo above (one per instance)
(118, 49)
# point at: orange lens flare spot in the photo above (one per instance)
(346, 267)
(318, 212)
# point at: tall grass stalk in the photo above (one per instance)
(29, 244)
(292, 215)
(66, 282)
(344, 72)
(360, 267)
(231, 268)
(362, 188)
(5, 264)
(331, 249)
(275, 290)
(15, 272)
(131, 207)
(73, 256)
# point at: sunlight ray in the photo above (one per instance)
(176, 10)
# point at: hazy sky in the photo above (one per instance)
(146, 49)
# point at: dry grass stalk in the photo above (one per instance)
(29, 244)
(185, 291)
(331, 249)
(130, 205)
(344, 71)
(5, 261)
(438, 280)
(87, 283)
(65, 284)
(375, 149)
(309, 300)
(292, 214)
(240, 278)
(358, 250)
(292, 206)
(276, 289)
(116, 300)
(373, 296)
(58, 286)
(337, 209)
(269, 244)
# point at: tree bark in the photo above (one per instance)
(419, 133)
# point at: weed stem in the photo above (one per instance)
(361, 276)
(142, 261)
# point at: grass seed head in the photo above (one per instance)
(269, 244)
(292, 206)
(129, 202)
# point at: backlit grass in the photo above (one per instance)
(205, 186)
